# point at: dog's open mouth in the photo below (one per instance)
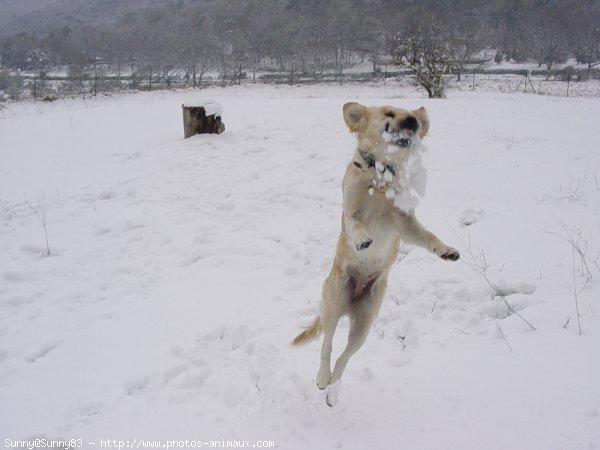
(402, 139)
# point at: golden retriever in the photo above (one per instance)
(381, 186)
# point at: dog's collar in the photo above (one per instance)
(372, 162)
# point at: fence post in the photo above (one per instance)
(530, 83)
(569, 75)
(95, 76)
(473, 78)
(292, 76)
(34, 89)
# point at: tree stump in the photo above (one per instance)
(200, 119)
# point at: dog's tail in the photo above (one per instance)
(311, 332)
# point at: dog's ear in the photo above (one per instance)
(421, 114)
(355, 116)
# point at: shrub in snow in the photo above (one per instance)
(11, 85)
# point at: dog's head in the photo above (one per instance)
(377, 127)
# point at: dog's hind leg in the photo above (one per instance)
(324, 374)
(362, 312)
(334, 305)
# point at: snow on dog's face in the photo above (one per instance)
(378, 128)
(391, 137)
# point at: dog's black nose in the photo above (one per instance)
(409, 123)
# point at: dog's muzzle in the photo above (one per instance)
(400, 139)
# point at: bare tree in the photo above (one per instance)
(507, 27)
(427, 55)
(314, 36)
(462, 51)
(585, 35)
(548, 36)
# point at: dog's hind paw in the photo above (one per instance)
(333, 394)
(323, 378)
(361, 245)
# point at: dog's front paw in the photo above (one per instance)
(363, 243)
(449, 254)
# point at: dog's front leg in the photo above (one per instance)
(356, 230)
(355, 190)
(415, 233)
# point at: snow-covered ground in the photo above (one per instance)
(179, 270)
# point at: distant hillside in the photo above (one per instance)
(41, 15)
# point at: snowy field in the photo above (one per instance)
(179, 270)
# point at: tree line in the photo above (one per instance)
(236, 38)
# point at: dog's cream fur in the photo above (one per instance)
(372, 229)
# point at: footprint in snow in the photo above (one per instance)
(137, 386)
(471, 216)
(42, 352)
